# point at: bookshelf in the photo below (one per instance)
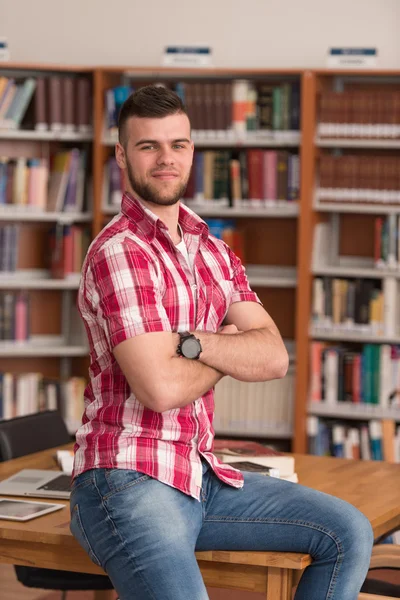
(278, 236)
(351, 125)
(44, 110)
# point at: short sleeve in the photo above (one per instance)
(128, 300)
(241, 287)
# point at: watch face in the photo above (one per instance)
(190, 348)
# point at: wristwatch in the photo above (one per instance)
(189, 346)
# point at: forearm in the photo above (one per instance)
(253, 355)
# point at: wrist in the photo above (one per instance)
(207, 340)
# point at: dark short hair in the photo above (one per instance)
(150, 101)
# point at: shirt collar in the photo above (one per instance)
(148, 223)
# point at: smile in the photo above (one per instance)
(165, 175)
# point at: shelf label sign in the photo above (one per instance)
(4, 51)
(187, 56)
(352, 57)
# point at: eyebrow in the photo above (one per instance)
(140, 142)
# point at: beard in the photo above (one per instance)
(150, 193)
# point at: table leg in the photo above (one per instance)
(279, 584)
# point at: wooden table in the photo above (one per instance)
(373, 487)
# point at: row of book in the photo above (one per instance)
(68, 247)
(355, 304)
(359, 114)
(239, 105)
(376, 440)
(28, 393)
(259, 409)
(253, 177)
(359, 179)
(14, 316)
(46, 103)
(65, 252)
(340, 374)
(9, 244)
(31, 183)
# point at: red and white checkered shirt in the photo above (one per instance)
(135, 281)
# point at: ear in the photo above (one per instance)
(120, 156)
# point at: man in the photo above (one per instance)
(168, 312)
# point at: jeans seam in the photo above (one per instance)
(92, 555)
(300, 523)
(117, 534)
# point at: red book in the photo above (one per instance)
(255, 174)
(21, 317)
(378, 241)
(243, 448)
(68, 251)
(357, 378)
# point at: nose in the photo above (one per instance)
(165, 156)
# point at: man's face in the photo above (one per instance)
(158, 156)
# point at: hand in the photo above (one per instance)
(229, 330)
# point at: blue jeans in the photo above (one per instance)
(144, 533)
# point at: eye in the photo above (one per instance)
(149, 147)
(179, 146)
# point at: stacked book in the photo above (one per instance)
(255, 457)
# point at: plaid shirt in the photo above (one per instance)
(135, 281)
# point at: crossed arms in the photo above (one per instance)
(249, 348)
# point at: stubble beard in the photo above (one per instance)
(151, 194)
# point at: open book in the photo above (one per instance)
(235, 451)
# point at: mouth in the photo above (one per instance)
(165, 175)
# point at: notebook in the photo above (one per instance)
(38, 483)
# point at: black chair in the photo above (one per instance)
(384, 556)
(26, 435)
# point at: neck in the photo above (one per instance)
(169, 215)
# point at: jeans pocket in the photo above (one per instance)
(119, 480)
(79, 534)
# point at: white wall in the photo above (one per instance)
(242, 33)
